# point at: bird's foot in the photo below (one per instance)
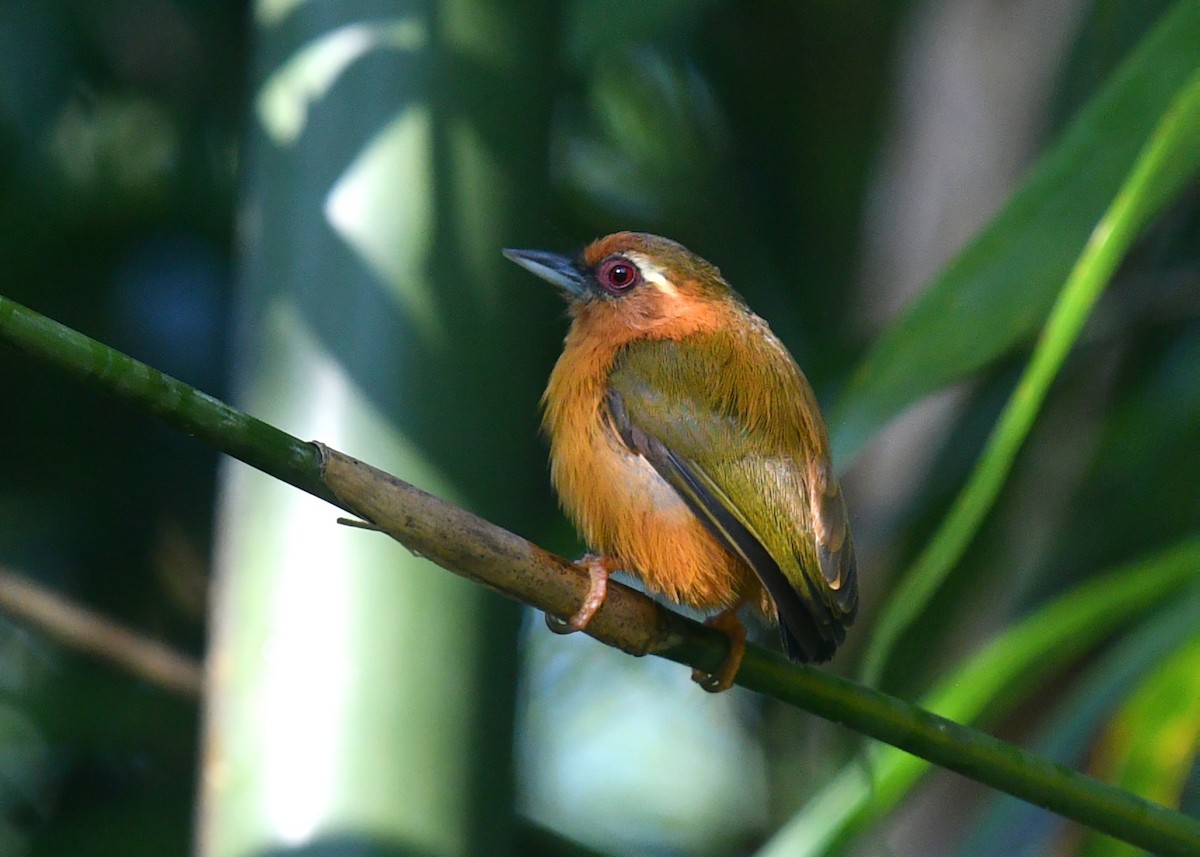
(598, 568)
(728, 622)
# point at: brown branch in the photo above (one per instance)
(79, 628)
(480, 551)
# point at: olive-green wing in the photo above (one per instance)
(731, 425)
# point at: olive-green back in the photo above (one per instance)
(730, 422)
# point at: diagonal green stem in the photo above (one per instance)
(470, 546)
(178, 405)
(1167, 161)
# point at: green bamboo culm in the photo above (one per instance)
(1169, 159)
(383, 175)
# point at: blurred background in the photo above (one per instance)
(298, 206)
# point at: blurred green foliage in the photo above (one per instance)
(755, 134)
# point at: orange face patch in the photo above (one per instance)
(618, 242)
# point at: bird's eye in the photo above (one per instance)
(618, 275)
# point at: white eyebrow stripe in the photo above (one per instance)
(652, 274)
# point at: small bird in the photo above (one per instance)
(689, 450)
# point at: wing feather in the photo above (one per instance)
(757, 441)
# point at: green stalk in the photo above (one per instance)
(180, 406)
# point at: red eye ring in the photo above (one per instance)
(618, 275)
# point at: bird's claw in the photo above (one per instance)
(559, 625)
(727, 622)
(598, 569)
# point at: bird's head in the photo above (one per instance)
(640, 279)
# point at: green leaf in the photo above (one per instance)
(1150, 745)
(1168, 160)
(1000, 287)
(1070, 728)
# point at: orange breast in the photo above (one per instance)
(622, 507)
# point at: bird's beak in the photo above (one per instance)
(553, 268)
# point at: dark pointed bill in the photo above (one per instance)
(551, 267)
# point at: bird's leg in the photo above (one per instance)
(728, 622)
(598, 568)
